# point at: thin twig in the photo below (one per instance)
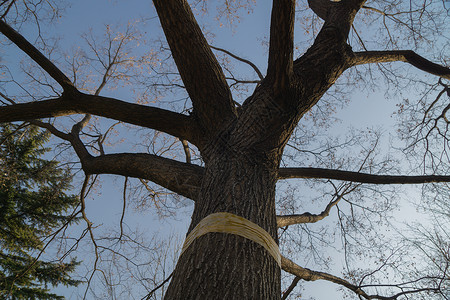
(124, 206)
(260, 75)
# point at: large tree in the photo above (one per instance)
(241, 144)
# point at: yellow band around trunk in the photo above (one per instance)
(230, 223)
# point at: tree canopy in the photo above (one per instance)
(254, 147)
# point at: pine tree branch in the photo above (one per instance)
(37, 56)
(287, 173)
(407, 56)
(198, 67)
(175, 124)
(281, 45)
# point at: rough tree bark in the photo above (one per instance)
(241, 147)
(242, 158)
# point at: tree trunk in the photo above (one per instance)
(222, 265)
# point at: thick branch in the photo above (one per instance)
(306, 217)
(330, 55)
(175, 124)
(287, 173)
(408, 56)
(338, 14)
(320, 7)
(36, 55)
(198, 67)
(181, 178)
(280, 66)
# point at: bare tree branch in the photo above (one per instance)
(181, 178)
(286, 173)
(198, 67)
(408, 56)
(124, 207)
(7, 9)
(187, 151)
(37, 56)
(290, 288)
(175, 124)
(89, 224)
(157, 287)
(255, 68)
(281, 45)
(307, 217)
(309, 275)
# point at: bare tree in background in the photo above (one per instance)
(236, 150)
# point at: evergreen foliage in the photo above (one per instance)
(33, 205)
